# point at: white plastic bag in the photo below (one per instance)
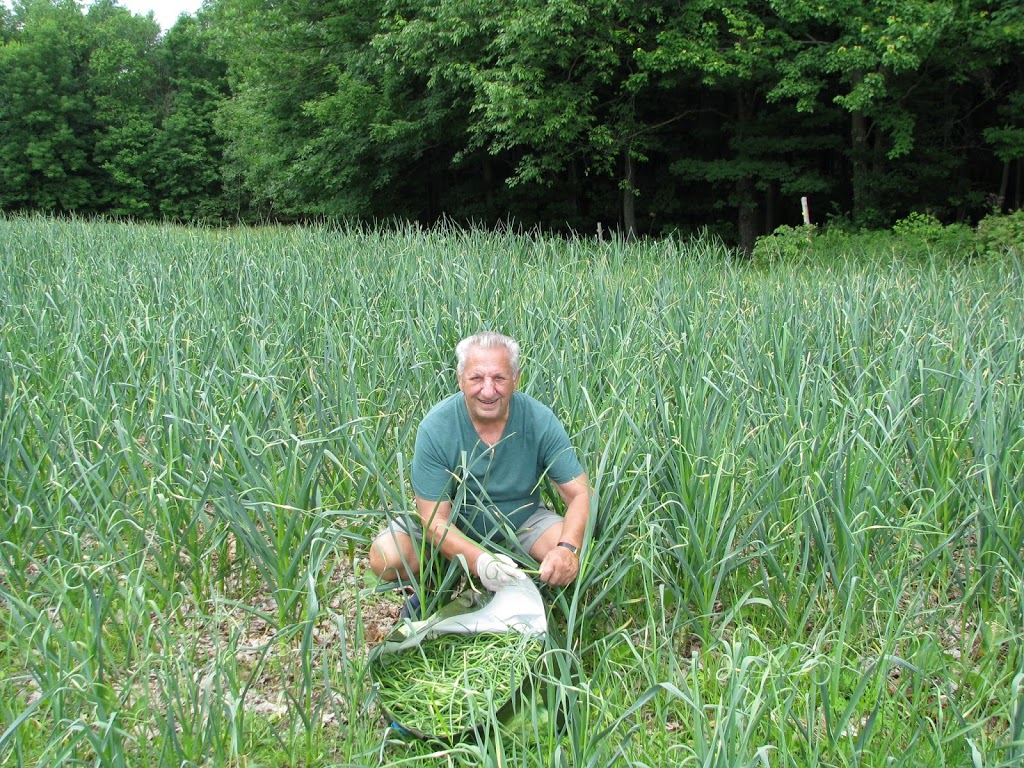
(515, 608)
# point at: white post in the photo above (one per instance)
(807, 211)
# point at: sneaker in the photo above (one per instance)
(411, 609)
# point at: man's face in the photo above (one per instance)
(487, 382)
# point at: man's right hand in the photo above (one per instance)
(497, 571)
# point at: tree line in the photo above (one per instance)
(643, 116)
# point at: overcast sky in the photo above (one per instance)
(165, 12)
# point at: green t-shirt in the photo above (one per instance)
(493, 490)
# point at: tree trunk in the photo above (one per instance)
(430, 182)
(746, 190)
(487, 172)
(580, 203)
(1004, 186)
(747, 219)
(629, 198)
(771, 207)
(1020, 183)
(859, 162)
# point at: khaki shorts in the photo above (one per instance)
(528, 534)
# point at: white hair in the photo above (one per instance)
(487, 340)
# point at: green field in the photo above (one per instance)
(808, 546)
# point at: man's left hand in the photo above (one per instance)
(559, 567)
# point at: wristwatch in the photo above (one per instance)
(571, 547)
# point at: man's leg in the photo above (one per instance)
(541, 533)
(393, 555)
(547, 541)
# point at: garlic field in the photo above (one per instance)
(807, 539)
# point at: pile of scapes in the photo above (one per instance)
(450, 684)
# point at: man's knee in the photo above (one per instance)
(546, 541)
(392, 556)
(378, 558)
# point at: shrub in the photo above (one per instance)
(785, 245)
(1001, 235)
(923, 235)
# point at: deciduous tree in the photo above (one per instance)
(120, 83)
(46, 125)
(732, 52)
(865, 58)
(187, 150)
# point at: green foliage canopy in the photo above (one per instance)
(649, 117)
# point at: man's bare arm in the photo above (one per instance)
(435, 517)
(560, 565)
